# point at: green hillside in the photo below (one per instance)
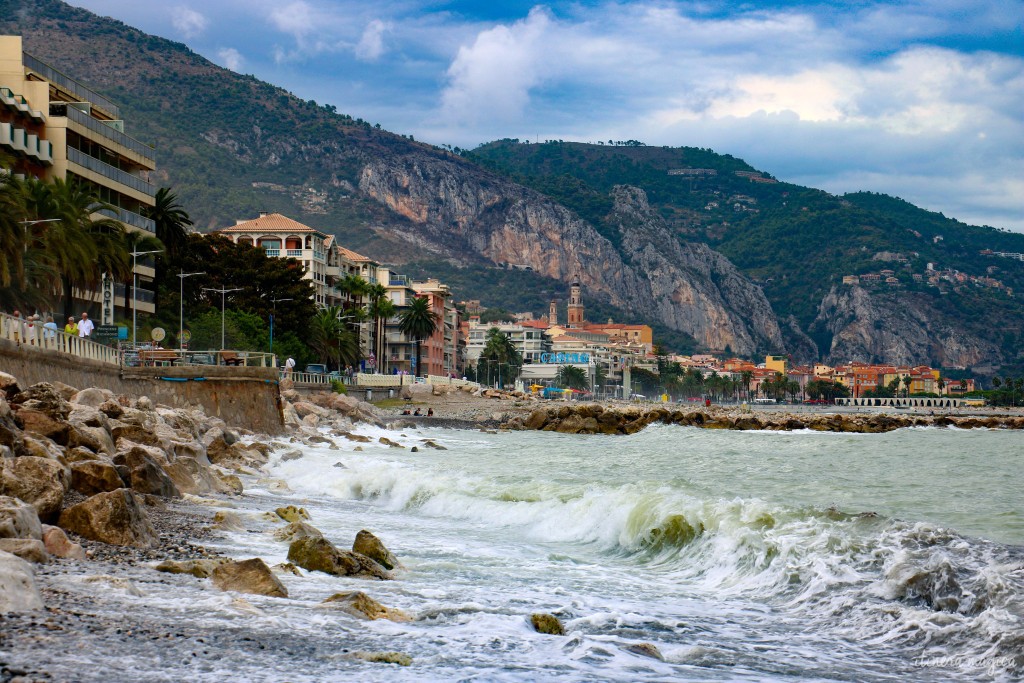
(795, 241)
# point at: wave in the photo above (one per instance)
(865, 576)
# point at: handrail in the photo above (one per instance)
(93, 164)
(32, 335)
(110, 133)
(70, 84)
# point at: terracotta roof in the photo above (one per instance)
(536, 324)
(272, 222)
(352, 256)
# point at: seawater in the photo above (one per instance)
(739, 555)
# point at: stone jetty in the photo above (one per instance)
(593, 418)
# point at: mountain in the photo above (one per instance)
(724, 258)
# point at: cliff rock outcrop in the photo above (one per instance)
(688, 287)
(897, 327)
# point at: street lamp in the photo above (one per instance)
(135, 287)
(181, 305)
(222, 293)
(274, 301)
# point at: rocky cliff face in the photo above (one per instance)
(896, 327)
(689, 288)
(694, 288)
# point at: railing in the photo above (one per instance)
(117, 175)
(111, 133)
(367, 380)
(294, 252)
(146, 296)
(272, 252)
(130, 218)
(148, 355)
(306, 377)
(436, 379)
(33, 335)
(71, 85)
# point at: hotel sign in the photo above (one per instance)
(565, 358)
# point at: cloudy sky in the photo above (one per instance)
(921, 99)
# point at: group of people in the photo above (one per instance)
(24, 328)
(430, 412)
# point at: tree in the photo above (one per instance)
(907, 381)
(172, 222)
(572, 377)
(499, 350)
(747, 376)
(330, 338)
(419, 322)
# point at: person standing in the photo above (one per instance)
(289, 366)
(85, 326)
(72, 327)
(19, 326)
(49, 331)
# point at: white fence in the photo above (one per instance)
(32, 335)
(435, 379)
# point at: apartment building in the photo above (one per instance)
(444, 356)
(282, 237)
(528, 337)
(56, 127)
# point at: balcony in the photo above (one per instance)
(108, 171)
(144, 296)
(273, 252)
(109, 132)
(13, 137)
(70, 85)
(129, 218)
(294, 253)
(19, 104)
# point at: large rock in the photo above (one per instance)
(39, 422)
(115, 517)
(10, 432)
(201, 569)
(296, 530)
(359, 604)
(59, 545)
(248, 576)
(547, 623)
(18, 591)
(45, 398)
(319, 554)
(371, 546)
(18, 519)
(90, 477)
(39, 481)
(29, 549)
(9, 385)
(92, 397)
(145, 474)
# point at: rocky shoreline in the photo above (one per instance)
(104, 495)
(594, 418)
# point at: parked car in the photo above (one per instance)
(316, 369)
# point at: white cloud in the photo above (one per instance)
(231, 58)
(371, 45)
(188, 22)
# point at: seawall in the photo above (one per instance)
(243, 397)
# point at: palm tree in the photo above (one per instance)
(572, 377)
(419, 322)
(907, 381)
(330, 338)
(381, 309)
(172, 221)
(499, 350)
(747, 376)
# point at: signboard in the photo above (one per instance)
(105, 334)
(565, 358)
(107, 304)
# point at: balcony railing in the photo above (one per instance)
(294, 252)
(109, 132)
(145, 296)
(71, 85)
(130, 218)
(273, 252)
(19, 103)
(108, 171)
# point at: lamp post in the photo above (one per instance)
(223, 292)
(135, 288)
(274, 301)
(181, 305)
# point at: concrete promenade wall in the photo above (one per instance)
(243, 397)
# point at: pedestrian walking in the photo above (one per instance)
(72, 327)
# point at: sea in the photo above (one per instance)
(739, 556)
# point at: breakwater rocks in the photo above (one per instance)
(592, 418)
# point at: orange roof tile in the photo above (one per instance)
(272, 222)
(351, 255)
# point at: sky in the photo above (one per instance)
(923, 100)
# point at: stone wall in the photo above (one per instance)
(242, 397)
